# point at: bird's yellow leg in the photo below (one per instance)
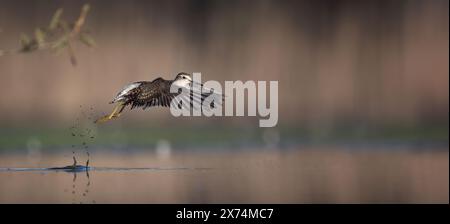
(118, 111)
(114, 112)
(112, 115)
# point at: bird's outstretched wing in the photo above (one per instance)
(157, 93)
(148, 94)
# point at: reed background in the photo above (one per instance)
(360, 63)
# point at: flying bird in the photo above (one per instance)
(157, 93)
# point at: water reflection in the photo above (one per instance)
(81, 196)
(74, 187)
(308, 176)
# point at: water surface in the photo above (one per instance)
(313, 175)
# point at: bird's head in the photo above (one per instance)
(183, 79)
(183, 76)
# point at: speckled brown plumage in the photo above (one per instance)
(147, 94)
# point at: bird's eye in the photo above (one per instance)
(184, 77)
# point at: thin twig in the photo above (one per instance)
(67, 39)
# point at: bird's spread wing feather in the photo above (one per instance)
(157, 93)
(148, 94)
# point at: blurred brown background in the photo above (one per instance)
(355, 63)
(365, 82)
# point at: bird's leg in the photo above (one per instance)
(114, 112)
(112, 115)
(116, 115)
